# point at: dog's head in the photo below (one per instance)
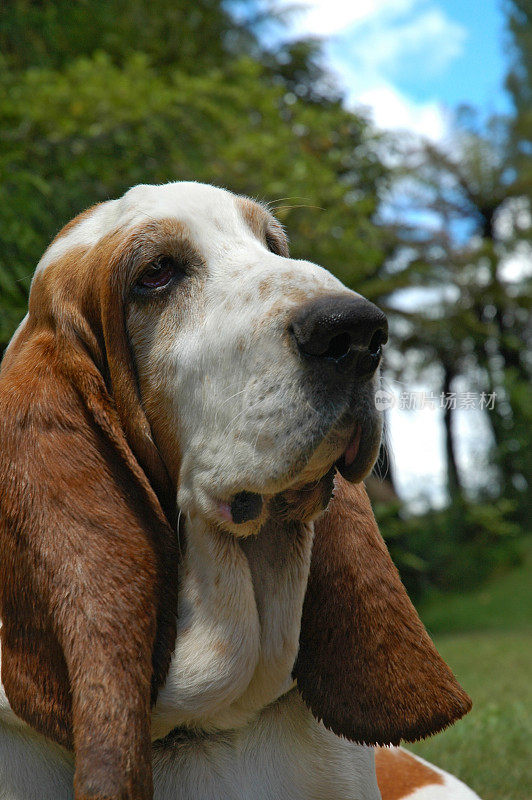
(256, 371)
(175, 356)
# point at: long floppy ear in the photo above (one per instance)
(88, 577)
(366, 665)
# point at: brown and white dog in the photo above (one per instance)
(173, 411)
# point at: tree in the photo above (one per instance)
(194, 35)
(73, 137)
(519, 84)
(465, 209)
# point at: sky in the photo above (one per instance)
(411, 63)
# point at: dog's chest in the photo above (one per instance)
(282, 753)
(238, 626)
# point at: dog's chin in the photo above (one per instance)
(309, 494)
(351, 449)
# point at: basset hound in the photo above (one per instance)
(195, 599)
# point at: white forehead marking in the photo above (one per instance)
(196, 204)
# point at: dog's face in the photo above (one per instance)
(257, 372)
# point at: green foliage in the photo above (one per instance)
(195, 35)
(455, 548)
(519, 84)
(502, 603)
(73, 137)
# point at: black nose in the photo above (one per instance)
(337, 326)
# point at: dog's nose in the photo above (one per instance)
(336, 326)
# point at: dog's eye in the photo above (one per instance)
(159, 274)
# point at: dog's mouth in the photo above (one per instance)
(310, 492)
(348, 457)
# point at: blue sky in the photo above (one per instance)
(476, 74)
(411, 62)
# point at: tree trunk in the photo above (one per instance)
(454, 486)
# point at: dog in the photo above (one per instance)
(195, 598)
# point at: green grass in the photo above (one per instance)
(486, 637)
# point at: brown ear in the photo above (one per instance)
(366, 665)
(88, 571)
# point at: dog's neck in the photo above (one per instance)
(239, 616)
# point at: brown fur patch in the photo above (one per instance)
(75, 222)
(399, 774)
(264, 288)
(366, 666)
(88, 575)
(255, 215)
(306, 502)
(264, 226)
(170, 237)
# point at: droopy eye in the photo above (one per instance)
(159, 274)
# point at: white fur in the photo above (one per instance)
(252, 415)
(451, 789)
(282, 753)
(221, 386)
(216, 369)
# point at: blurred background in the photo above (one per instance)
(393, 139)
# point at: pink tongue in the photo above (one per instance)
(352, 450)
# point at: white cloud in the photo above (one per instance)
(328, 17)
(390, 108)
(427, 41)
(393, 110)
(370, 44)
